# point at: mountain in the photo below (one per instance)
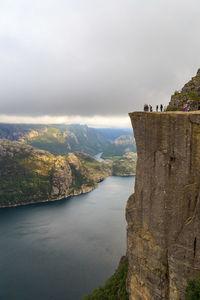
(63, 139)
(29, 175)
(57, 139)
(122, 144)
(125, 165)
(110, 134)
(189, 94)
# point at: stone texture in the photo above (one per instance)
(189, 94)
(29, 175)
(163, 215)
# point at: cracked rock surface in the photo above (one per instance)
(163, 215)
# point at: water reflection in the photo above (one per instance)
(62, 250)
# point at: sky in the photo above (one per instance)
(93, 61)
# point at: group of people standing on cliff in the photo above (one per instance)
(186, 107)
(150, 108)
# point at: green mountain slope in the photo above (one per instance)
(121, 145)
(125, 165)
(29, 175)
(189, 94)
(115, 287)
(63, 139)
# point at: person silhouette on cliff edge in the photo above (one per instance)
(161, 107)
(156, 108)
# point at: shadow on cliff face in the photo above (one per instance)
(163, 215)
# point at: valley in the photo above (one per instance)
(31, 174)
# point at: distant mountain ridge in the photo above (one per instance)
(63, 139)
(121, 145)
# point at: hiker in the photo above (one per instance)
(150, 108)
(157, 108)
(146, 107)
(161, 107)
(185, 107)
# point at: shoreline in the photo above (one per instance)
(62, 198)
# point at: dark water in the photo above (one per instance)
(62, 250)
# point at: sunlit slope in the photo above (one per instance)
(29, 175)
(63, 139)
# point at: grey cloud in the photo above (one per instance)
(94, 57)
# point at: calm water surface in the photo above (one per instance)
(64, 249)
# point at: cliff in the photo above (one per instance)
(29, 175)
(163, 215)
(189, 94)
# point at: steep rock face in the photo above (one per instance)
(29, 175)
(163, 215)
(190, 94)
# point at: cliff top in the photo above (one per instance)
(197, 112)
(167, 117)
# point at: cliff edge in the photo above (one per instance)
(163, 215)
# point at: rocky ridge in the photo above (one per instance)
(29, 175)
(63, 139)
(125, 165)
(121, 145)
(163, 214)
(189, 94)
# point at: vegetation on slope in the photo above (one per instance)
(125, 165)
(193, 290)
(25, 175)
(120, 146)
(189, 94)
(86, 171)
(111, 134)
(63, 139)
(115, 286)
(31, 175)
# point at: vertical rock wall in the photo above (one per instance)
(163, 215)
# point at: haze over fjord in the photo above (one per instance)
(93, 61)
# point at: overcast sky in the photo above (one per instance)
(93, 61)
